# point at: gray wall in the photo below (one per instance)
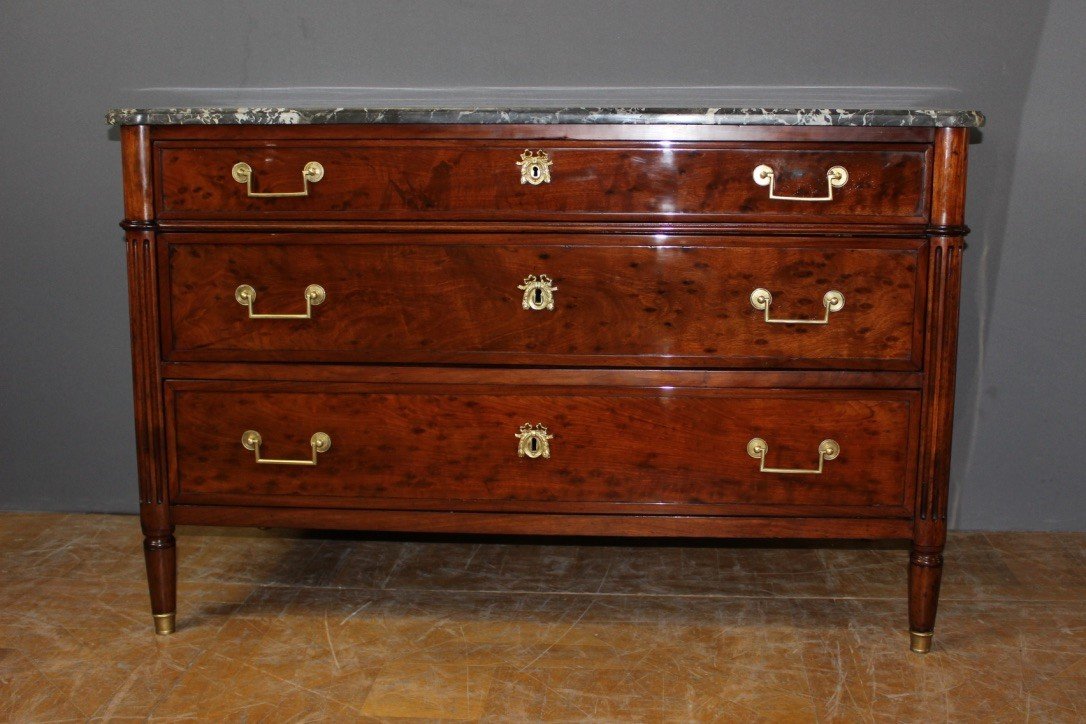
(1023, 416)
(66, 439)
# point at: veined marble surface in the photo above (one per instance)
(681, 116)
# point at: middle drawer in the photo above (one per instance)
(641, 300)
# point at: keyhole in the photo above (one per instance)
(534, 171)
(537, 297)
(533, 444)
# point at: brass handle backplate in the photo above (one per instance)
(827, 450)
(534, 441)
(535, 168)
(242, 172)
(538, 292)
(320, 442)
(832, 301)
(836, 177)
(314, 295)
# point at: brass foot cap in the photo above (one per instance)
(165, 623)
(920, 642)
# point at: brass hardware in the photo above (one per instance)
(320, 442)
(832, 300)
(242, 172)
(836, 177)
(538, 293)
(535, 168)
(920, 642)
(827, 450)
(165, 623)
(534, 442)
(314, 296)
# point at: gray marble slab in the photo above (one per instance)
(681, 116)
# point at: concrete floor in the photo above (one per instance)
(280, 626)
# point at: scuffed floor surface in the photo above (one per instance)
(276, 626)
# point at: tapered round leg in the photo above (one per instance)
(925, 573)
(160, 554)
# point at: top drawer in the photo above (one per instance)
(450, 180)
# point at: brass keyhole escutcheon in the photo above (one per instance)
(535, 168)
(538, 292)
(534, 441)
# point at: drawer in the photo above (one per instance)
(625, 300)
(474, 180)
(513, 448)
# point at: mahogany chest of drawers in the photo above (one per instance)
(653, 323)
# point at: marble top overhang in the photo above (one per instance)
(930, 118)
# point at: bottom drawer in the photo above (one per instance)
(573, 449)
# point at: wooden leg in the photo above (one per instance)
(160, 554)
(925, 573)
(946, 244)
(143, 305)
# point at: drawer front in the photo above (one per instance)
(472, 180)
(451, 447)
(639, 301)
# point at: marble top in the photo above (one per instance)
(681, 116)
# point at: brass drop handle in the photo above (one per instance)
(832, 301)
(242, 172)
(836, 177)
(535, 168)
(538, 293)
(827, 450)
(320, 442)
(314, 295)
(534, 441)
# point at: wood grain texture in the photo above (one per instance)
(652, 301)
(155, 519)
(479, 180)
(599, 228)
(652, 372)
(653, 526)
(945, 273)
(136, 174)
(440, 446)
(531, 376)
